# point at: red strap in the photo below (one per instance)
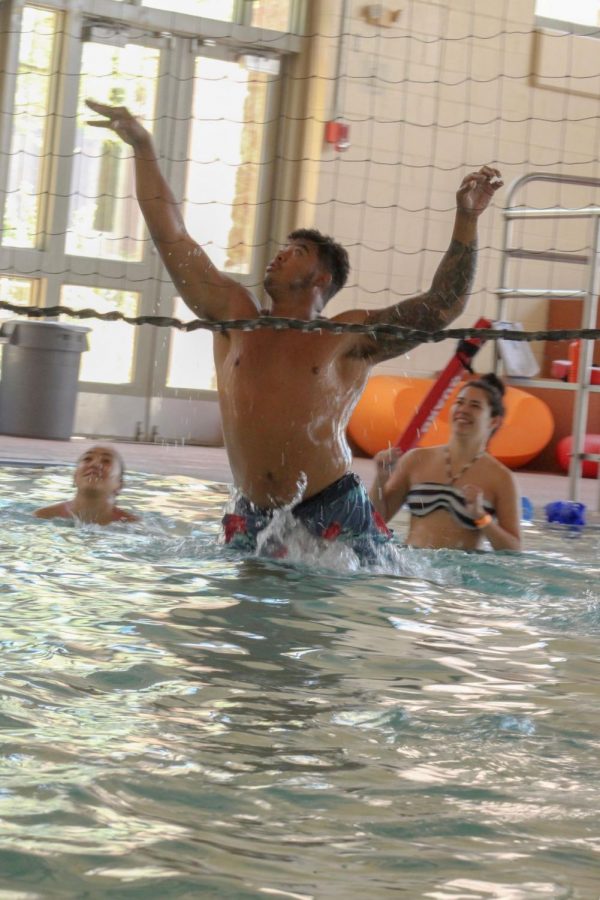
(439, 391)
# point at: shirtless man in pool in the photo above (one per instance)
(286, 396)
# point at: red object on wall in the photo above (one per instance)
(591, 444)
(440, 390)
(337, 133)
(560, 368)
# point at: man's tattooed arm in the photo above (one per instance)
(432, 310)
(451, 284)
(447, 296)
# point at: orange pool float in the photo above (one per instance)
(389, 402)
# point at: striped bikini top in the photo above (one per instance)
(428, 496)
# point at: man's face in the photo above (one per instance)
(99, 470)
(295, 267)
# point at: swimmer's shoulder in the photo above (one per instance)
(413, 458)
(123, 515)
(502, 478)
(63, 511)
(55, 511)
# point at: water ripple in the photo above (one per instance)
(177, 720)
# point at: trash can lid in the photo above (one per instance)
(45, 335)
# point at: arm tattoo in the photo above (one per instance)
(452, 282)
(434, 309)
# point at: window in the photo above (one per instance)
(211, 9)
(31, 125)
(272, 14)
(20, 291)
(269, 14)
(204, 79)
(224, 160)
(110, 357)
(565, 50)
(581, 12)
(190, 355)
(104, 217)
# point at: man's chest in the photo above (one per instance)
(268, 353)
(293, 366)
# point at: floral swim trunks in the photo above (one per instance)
(341, 511)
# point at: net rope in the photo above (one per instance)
(278, 323)
(442, 91)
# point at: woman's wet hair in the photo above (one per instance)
(494, 389)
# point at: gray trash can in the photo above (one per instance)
(40, 374)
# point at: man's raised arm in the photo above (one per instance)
(207, 292)
(447, 296)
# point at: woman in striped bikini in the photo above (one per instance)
(457, 494)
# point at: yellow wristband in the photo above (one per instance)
(483, 522)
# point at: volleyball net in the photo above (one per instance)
(359, 120)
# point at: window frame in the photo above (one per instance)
(556, 24)
(175, 33)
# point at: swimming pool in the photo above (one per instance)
(178, 721)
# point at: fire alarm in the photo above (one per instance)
(337, 133)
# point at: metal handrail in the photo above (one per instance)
(513, 213)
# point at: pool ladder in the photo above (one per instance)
(514, 213)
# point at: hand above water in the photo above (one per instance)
(385, 462)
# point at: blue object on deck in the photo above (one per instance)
(566, 512)
(526, 509)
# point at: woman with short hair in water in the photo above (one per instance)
(98, 479)
(457, 494)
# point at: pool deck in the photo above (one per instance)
(210, 464)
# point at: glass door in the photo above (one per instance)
(73, 233)
(109, 261)
(229, 163)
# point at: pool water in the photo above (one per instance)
(179, 721)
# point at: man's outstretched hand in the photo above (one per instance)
(477, 189)
(119, 120)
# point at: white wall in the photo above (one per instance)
(445, 89)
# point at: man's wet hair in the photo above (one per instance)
(332, 256)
